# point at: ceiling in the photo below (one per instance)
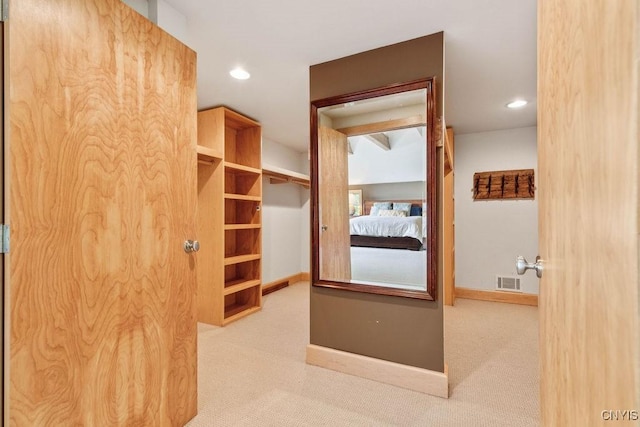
(490, 55)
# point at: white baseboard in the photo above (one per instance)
(405, 376)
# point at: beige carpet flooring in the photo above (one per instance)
(252, 372)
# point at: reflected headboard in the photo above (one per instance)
(368, 204)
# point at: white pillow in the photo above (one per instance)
(390, 212)
(405, 207)
(377, 206)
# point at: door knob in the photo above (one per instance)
(324, 228)
(522, 265)
(191, 246)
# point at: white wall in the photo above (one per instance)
(169, 19)
(405, 161)
(490, 234)
(392, 191)
(305, 231)
(285, 249)
(140, 6)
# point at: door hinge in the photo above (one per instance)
(4, 244)
(4, 13)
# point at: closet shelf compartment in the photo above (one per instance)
(241, 258)
(280, 176)
(239, 285)
(241, 169)
(241, 303)
(206, 154)
(238, 311)
(242, 197)
(229, 216)
(241, 226)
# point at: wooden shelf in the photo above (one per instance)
(239, 285)
(281, 176)
(236, 168)
(229, 217)
(241, 226)
(240, 258)
(237, 120)
(242, 197)
(208, 155)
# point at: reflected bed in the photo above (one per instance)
(389, 231)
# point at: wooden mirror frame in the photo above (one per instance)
(431, 291)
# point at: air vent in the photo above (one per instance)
(508, 283)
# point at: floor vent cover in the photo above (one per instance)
(508, 283)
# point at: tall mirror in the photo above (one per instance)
(373, 191)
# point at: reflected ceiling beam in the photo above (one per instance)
(379, 139)
(388, 125)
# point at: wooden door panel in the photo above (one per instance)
(335, 245)
(102, 126)
(588, 169)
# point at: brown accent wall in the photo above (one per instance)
(402, 330)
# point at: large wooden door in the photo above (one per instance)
(102, 194)
(588, 169)
(335, 246)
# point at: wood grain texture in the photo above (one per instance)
(588, 203)
(210, 234)
(448, 149)
(507, 184)
(386, 126)
(497, 296)
(102, 122)
(211, 131)
(230, 218)
(335, 255)
(449, 235)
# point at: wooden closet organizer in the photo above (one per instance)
(229, 216)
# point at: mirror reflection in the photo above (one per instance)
(372, 191)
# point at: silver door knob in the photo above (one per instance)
(191, 246)
(522, 265)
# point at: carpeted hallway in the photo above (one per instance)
(252, 372)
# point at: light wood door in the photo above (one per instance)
(448, 215)
(588, 206)
(335, 245)
(102, 194)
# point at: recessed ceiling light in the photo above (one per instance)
(517, 103)
(239, 73)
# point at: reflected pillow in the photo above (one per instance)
(391, 212)
(404, 207)
(377, 206)
(415, 211)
